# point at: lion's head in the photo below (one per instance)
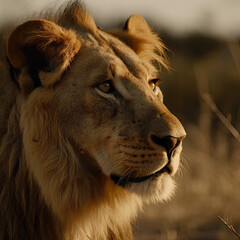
(91, 105)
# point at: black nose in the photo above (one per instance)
(168, 142)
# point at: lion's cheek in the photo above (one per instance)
(103, 160)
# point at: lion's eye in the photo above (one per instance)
(154, 84)
(106, 86)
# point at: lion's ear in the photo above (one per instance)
(43, 48)
(138, 35)
(136, 24)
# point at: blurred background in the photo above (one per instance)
(203, 90)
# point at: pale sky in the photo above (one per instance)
(221, 17)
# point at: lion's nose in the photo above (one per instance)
(168, 142)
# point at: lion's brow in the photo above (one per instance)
(128, 62)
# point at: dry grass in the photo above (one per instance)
(230, 227)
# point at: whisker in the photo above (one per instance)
(181, 170)
(185, 156)
(129, 175)
(123, 175)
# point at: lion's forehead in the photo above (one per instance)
(122, 60)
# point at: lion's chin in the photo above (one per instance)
(156, 188)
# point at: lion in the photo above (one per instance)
(85, 138)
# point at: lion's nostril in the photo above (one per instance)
(168, 142)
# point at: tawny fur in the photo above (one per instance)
(54, 174)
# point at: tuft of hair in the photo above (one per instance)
(148, 46)
(75, 15)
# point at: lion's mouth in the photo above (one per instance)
(122, 181)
